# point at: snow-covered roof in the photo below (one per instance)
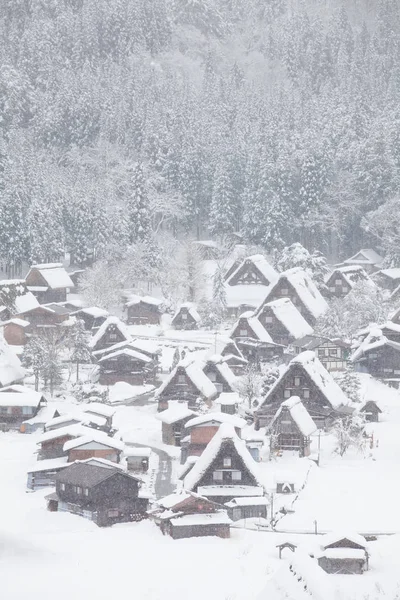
(319, 375)
(93, 311)
(71, 430)
(391, 273)
(103, 328)
(261, 264)
(365, 256)
(25, 303)
(142, 451)
(10, 365)
(375, 339)
(260, 332)
(224, 370)
(290, 317)
(343, 553)
(102, 462)
(98, 437)
(217, 417)
(226, 433)
(146, 300)
(55, 275)
(126, 352)
(228, 399)
(306, 289)
(352, 274)
(246, 295)
(16, 321)
(322, 379)
(43, 415)
(175, 412)
(248, 501)
(98, 408)
(49, 464)
(54, 422)
(336, 536)
(230, 490)
(217, 518)
(299, 414)
(191, 309)
(29, 398)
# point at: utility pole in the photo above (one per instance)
(272, 508)
(316, 527)
(319, 446)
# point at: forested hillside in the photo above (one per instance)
(276, 118)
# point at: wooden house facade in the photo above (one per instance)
(253, 270)
(173, 421)
(186, 317)
(186, 383)
(248, 508)
(144, 310)
(111, 332)
(94, 446)
(49, 282)
(225, 470)
(18, 407)
(99, 493)
(296, 285)
(17, 331)
(367, 258)
(291, 428)
(371, 411)
(126, 365)
(200, 430)
(45, 316)
(379, 357)
(283, 321)
(93, 317)
(342, 280)
(334, 354)
(344, 555)
(306, 378)
(185, 515)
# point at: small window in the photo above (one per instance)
(396, 372)
(212, 376)
(27, 410)
(227, 461)
(345, 289)
(62, 487)
(79, 490)
(236, 475)
(113, 336)
(284, 291)
(268, 319)
(332, 289)
(373, 355)
(297, 381)
(243, 333)
(287, 393)
(306, 393)
(338, 282)
(113, 513)
(181, 379)
(86, 491)
(184, 316)
(388, 370)
(333, 351)
(218, 476)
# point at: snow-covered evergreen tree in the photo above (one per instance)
(80, 352)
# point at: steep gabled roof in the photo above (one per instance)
(103, 329)
(11, 369)
(337, 536)
(217, 417)
(375, 339)
(299, 414)
(98, 437)
(225, 434)
(194, 371)
(191, 308)
(320, 377)
(261, 264)
(365, 256)
(129, 352)
(352, 274)
(305, 288)
(219, 362)
(260, 333)
(89, 475)
(289, 316)
(54, 274)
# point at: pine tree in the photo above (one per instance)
(138, 206)
(350, 384)
(223, 213)
(34, 357)
(80, 351)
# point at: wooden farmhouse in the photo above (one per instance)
(93, 317)
(229, 402)
(63, 421)
(342, 280)
(343, 554)
(388, 279)
(44, 316)
(127, 365)
(200, 430)
(247, 508)
(97, 409)
(94, 445)
(367, 258)
(283, 322)
(234, 358)
(371, 411)
(103, 494)
(49, 282)
(173, 422)
(306, 378)
(137, 459)
(291, 428)
(112, 331)
(185, 514)
(144, 310)
(17, 331)
(15, 408)
(38, 422)
(378, 356)
(296, 285)
(43, 473)
(334, 354)
(51, 443)
(191, 380)
(186, 317)
(207, 249)
(253, 270)
(225, 470)
(254, 342)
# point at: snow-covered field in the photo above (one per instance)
(66, 555)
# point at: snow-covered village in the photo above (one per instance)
(199, 299)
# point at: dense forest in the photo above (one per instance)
(121, 119)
